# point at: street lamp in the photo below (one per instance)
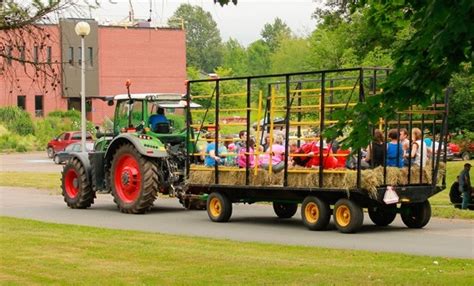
(83, 29)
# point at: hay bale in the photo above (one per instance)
(369, 182)
(370, 179)
(204, 177)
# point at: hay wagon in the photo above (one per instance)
(309, 102)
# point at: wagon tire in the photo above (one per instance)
(285, 210)
(315, 213)
(416, 215)
(219, 207)
(348, 216)
(383, 215)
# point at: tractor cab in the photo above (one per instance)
(138, 113)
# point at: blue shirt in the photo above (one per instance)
(394, 157)
(211, 162)
(464, 178)
(156, 119)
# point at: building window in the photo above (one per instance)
(21, 51)
(71, 55)
(21, 102)
(36, 54)
(48, 55)
(38, 105)
(9, 55)
(80, 56)
(91, 56)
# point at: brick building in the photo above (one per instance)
(154, 59)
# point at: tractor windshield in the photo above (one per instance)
(124, 110)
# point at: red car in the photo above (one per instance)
(463, 150)
(64, 139)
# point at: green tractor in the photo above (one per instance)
(134, 162)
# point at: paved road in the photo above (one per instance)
(28, 162)
(442, 237)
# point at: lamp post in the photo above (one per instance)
(83, 29)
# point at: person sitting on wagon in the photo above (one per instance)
(394, 150)
(211, 156)
(375, 151)
(312, 159)
(242, 155)
(276, 152)
(418, 149)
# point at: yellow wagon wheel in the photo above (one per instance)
(315, 213)
(219, 207)
(348, 216)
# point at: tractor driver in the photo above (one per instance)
(158, 120)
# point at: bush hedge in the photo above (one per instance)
(16, 120)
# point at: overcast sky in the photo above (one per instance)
(242, 22)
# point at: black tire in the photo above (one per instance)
(134, 180)
(348, 216)
(56, 160)
(315, 213)
(416, 215)
(219, 207)
(285, 210)
(50, 152)
(383, 215)
(466, 156)
(76, 187)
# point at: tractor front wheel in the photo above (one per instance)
(134, 180)
(76, 187)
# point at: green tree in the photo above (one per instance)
(291, 56)
(439, 39)
(235, 57)
(203, 40)
(331, 48)
(273, 33)
(461, 102)
(258, 55)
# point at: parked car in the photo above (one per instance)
(64, 139)
(62, 156)
(463, 150)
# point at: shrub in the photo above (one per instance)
(16, 120)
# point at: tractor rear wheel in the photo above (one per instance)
(285, 210)
(76, 187)
(134, 180)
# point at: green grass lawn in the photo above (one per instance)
(441, 206)
(44, 253)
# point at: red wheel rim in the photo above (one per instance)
(127, 178)
(72, 183)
